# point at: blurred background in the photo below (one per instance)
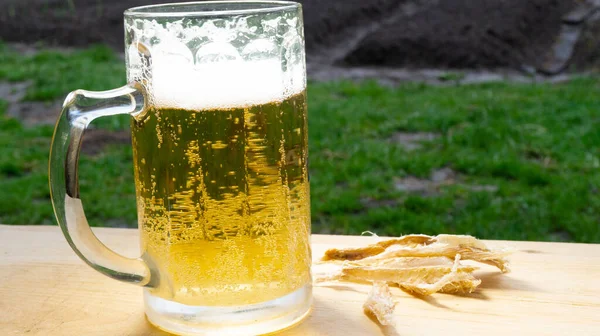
(456, 116)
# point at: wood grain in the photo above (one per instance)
(554, 289)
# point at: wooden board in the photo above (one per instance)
(554, 289)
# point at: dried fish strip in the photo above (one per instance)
(455, 281)
(429, 274)
(449, 250)
(408, 241)
(380, 304)
(374, 249)
(352, 253)
(404, 262)
(424, 246)
(415, 275)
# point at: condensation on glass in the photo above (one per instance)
(217, 99)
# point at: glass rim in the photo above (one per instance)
(158, 10)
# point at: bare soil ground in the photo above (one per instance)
(545, 36)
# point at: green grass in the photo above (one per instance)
(538, 143)
(53, 74)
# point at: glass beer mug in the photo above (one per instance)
(217, 99)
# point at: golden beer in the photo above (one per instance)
(223, 201)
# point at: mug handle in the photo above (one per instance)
(78, 111)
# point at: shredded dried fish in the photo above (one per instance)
(414, 275)
(380, 304)
(469, 249)
(457, 280)
(424, 246)
(418, 264)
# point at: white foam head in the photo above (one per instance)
(207, 66)
(177, 81)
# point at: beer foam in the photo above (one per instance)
(207, 64)
(178, 82)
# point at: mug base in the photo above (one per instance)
(256, 319)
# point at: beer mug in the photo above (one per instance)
(217, 99)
